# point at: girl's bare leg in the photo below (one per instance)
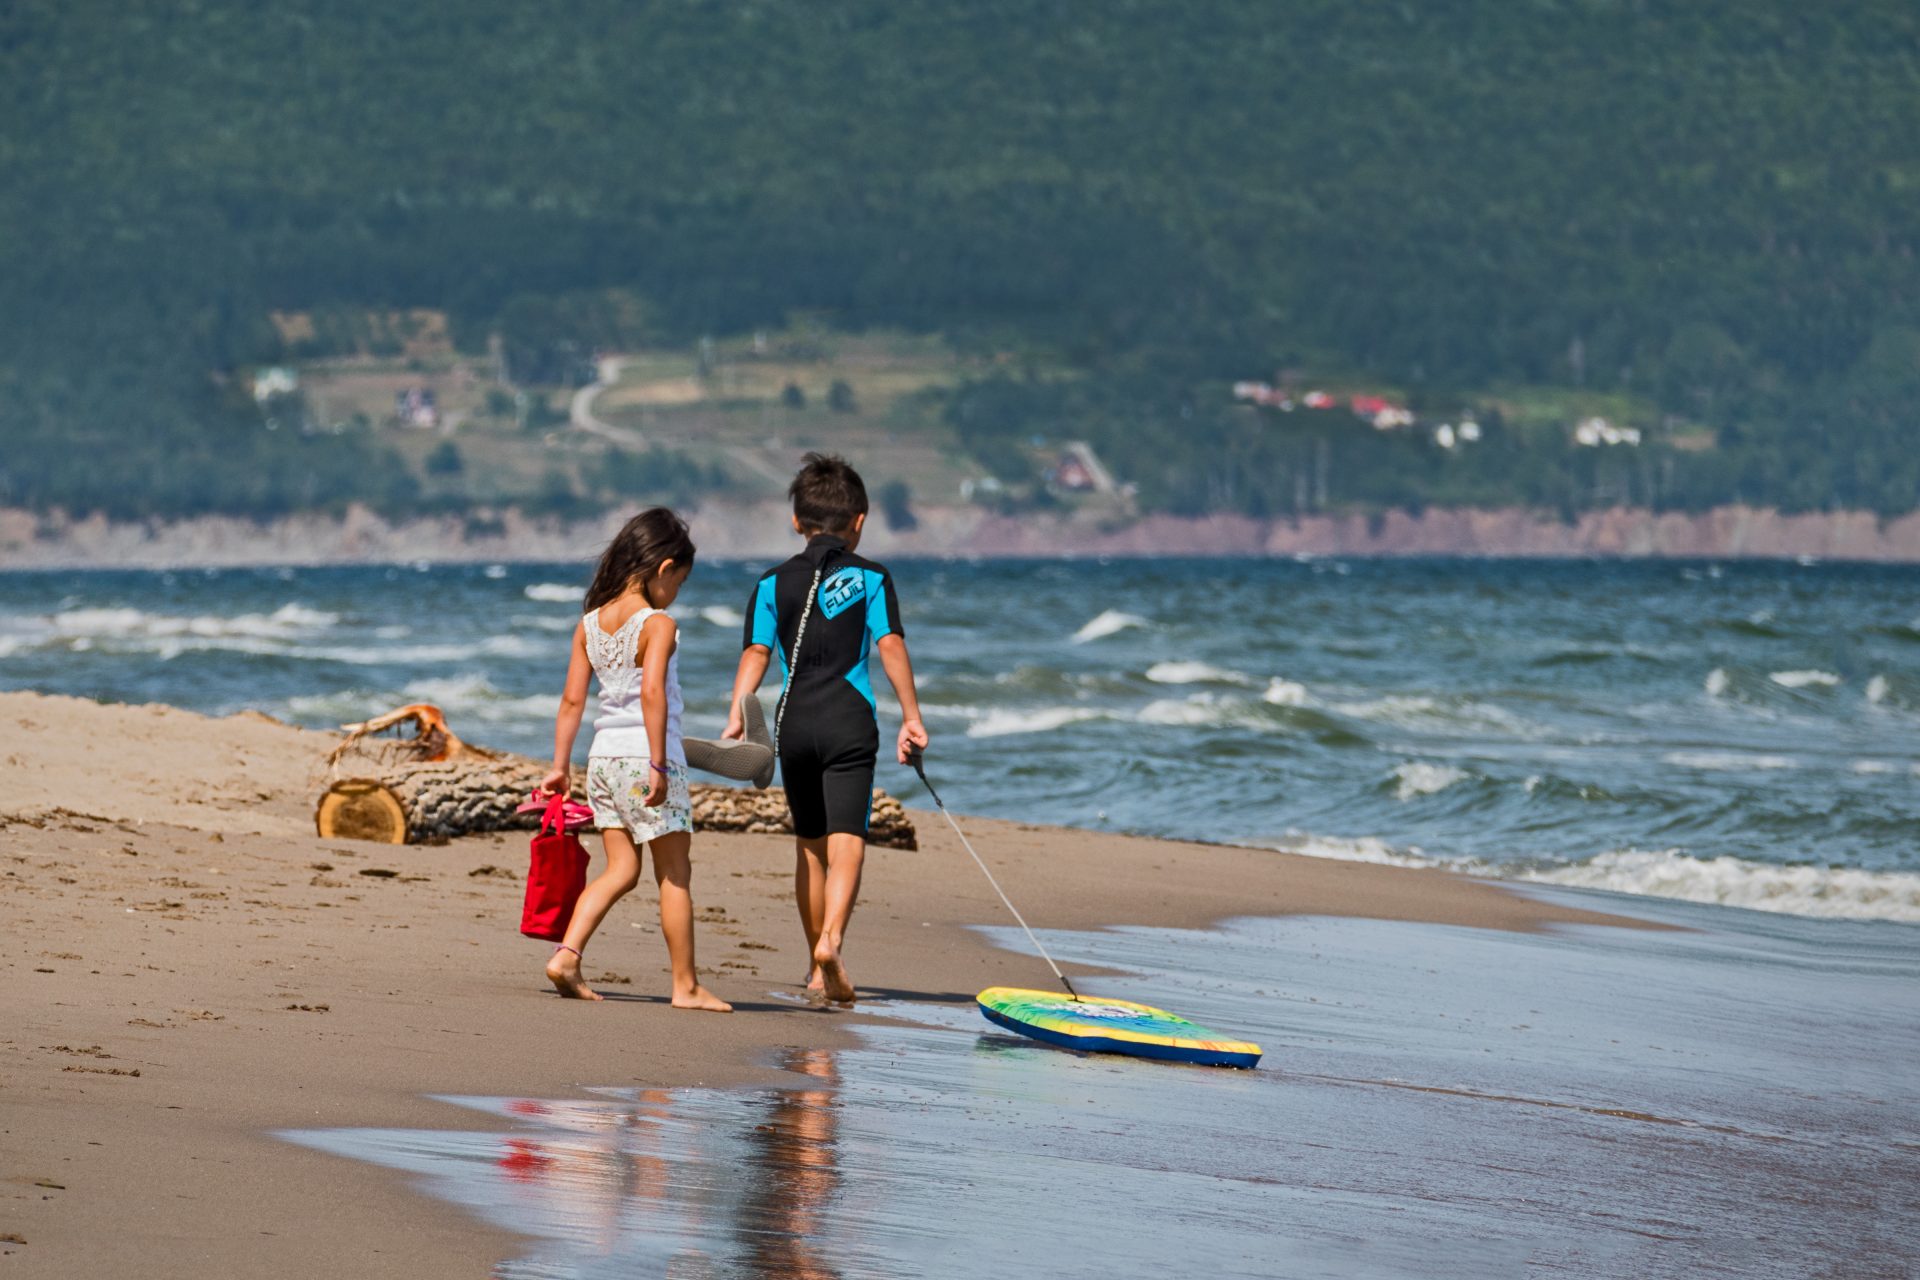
(614, 882)
(846, 857)
(673, 872)
(810, 892)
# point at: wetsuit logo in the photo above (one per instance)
(845, 588)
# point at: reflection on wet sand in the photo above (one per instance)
(793, 1176)
(1437, 1103)
(646, 1177)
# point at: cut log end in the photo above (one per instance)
(361, 809)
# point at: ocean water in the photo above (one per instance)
(1733, 1099)
(1740, 733)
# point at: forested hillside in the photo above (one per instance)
(1704, 205)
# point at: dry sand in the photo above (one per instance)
(190, 969)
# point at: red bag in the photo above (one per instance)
(556, 874)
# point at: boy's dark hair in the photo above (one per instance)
(636, 553)
(827, 494)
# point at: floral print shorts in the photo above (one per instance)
(617, 789)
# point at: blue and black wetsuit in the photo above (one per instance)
(829, 737)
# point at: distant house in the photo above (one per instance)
(1378, 410)
(274, 380)
(1262, 394)
(416, 407)
(1081, 471)
(1072, 475)
(1596, 433)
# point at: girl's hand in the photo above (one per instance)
(657, 790)
(559, 782)
(912, 734)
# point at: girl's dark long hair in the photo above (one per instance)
(643, 544)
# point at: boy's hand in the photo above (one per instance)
(736, 724)
(912, 734)
(557, 783)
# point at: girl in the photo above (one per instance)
(636, 769)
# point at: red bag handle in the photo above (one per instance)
(556, 814)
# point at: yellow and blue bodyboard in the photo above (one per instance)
(1099, 1025)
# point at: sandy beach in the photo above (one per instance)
(192, 970)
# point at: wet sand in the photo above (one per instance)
(189, 970)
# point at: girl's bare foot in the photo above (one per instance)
(563, 971)
(701, 998)
(833, 974)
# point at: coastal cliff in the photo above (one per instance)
(757, 531)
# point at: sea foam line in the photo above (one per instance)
(1837, 893)
(1106, 623)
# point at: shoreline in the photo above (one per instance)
(759, 530)
(185, 924)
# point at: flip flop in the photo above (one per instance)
(574, 816)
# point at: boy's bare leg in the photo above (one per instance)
(614, 882)
(846, 857)
(810, 893)
(673, 872)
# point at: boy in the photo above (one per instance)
(821, 612)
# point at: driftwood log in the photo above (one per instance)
(433, 786)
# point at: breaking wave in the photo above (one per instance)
(1840, 893)
(1419, 778)
(1804, 679)
(1110, 622)
(1837, 892)
(555, 593)
(1003, 722)
(1194, 673)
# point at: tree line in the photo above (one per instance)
(1707, 205)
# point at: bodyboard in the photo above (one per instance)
(1096, 1024)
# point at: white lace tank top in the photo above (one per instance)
(621, 727)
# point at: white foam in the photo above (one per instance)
(1285, 693)
(134, 624)
(1829, 892)
(338, 707)
(1417, 711)
(1419, 778)
(1877, 689)
(495, 571)
(1729, 761)
(1004, 721)
(1717, 682)
(1175, 711)
(721, 615)
(1193, 673)
(503, 646)
(1837, 892)
(555, 593)
(1107, 623)
(1356, 849)
(465, 698)
(1871, 766)
(1802, 679)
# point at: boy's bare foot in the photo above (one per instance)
(833, 974)
(563, 971)
(701, 998)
